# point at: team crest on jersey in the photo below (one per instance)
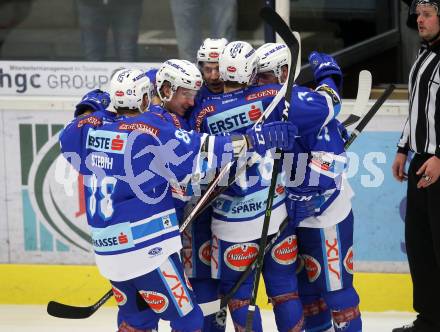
(313, 268)
(262, 94)
(120, 296)
(205, 253)
(239, 256)
(348, 261)
(158, 302)
(91, 120)
(286, 252)
(155, 251)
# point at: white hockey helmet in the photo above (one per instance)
(180, 73)
(272, 56)
(210, 50)
(128, 87)
(238, 62)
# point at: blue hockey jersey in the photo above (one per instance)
(320, 162)
(130, 208)
(180, 191)
(174, 119)
(239, 211)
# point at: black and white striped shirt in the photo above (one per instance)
(421, 133)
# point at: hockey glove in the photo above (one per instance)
(95, 100)
(343, 132)
(276, 134)
(303, 203)
(325, 69)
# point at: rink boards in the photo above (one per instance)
(83, 286)
(42, 220)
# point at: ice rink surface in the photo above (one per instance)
(25, 318)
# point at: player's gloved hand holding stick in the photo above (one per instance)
(272, 135)
(62, 310)
(277, 134)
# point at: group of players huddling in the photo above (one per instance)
(144, 157)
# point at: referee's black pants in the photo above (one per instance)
(422, 236)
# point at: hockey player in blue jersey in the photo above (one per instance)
(196, 237)
(325, 232)
(176, 93)
(173, 107)
(322, 207)
(125, 103)
(273, 63)
(130, 209)
(238, 213)
(207, 60)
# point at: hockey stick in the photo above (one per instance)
(212, 307)
(73, 312)
(272, 18)
(209, 193)
(208, 197)
(61, 310)
(379, 102)
(362, 97)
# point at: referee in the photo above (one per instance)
(421, 135)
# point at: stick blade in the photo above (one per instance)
(61, 310)
(363, 93)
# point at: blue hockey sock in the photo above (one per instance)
(239, 309)
(316, 314)
(288, 312)
(344, 305)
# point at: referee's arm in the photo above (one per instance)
(398, 166)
